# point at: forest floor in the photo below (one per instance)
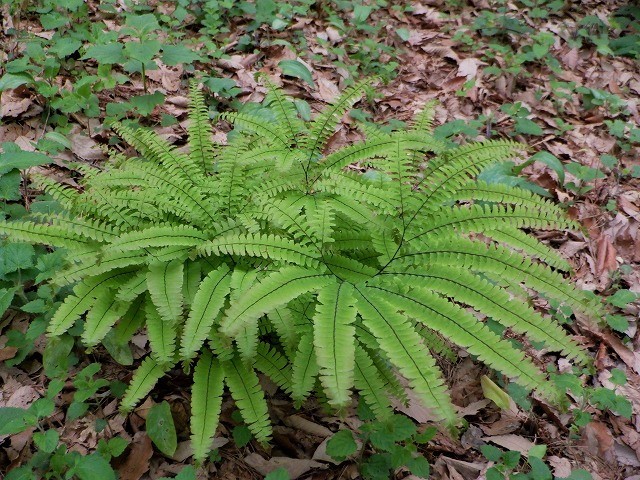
(556, 77)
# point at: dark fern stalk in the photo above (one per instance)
(362, 279)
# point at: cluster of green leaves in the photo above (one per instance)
(511, 465)
(52, 459)
(393, 443)
(267, 255)
(21, 265)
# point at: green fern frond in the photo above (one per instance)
(155, 148)
(525, 243)
(282, 322)
(324, 125)
(283, 109)
(159, 236)
(465, 330)
(55, 236)
(206, 404)
(265, 246)
(405, 350)
(258, 125)
(106, 311)
(274, 365)
(499, 193)
(133, 288)
(423, 121)
(143, 381)
(162, 335)
(334, 341)
(164, 282)
(304, 370)
(67, 197)
(371, 386)
(207, 303)
(453, 168)
(479, 218)
(201, 149)
(85, 295)
(273, 291)
(494, 259)
(246, 391)
(131, 321)
(492, 300)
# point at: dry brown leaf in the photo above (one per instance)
(7, 353)
(512, 442)
(300, 423)
(328, 91)
(137, 462)
(561, 466)
(597, 438)
(605, 258)
(85, 147)
(469, 67)
(13, 107)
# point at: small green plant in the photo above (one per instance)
(268, 254)
(513, 465)
(21, 265)
(393, 443)
(52, 459)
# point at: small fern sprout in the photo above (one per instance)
(267, 256)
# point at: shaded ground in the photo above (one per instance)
(590, 126)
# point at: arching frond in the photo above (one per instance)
(206, 403)
(402, 345)
(207, 303)
(143, 381)
(334, 341)
(246, 391)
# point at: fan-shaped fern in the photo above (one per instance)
(266, 255)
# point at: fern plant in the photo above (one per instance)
(269, 254)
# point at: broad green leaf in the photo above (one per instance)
(161, 429)
(528, 127)
(94, 467)
(178, 54)
(142, 24)
(552, 162)
(15, 420)
(293, 68)
(622, 298)
(46, 441)
(494, 392)
(6, 297)
(17, 256)
(10, 186)
(10, 81)
(145, 104)
(341, 445)
(21, 160)
(109, 54)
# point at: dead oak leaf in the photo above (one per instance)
(137, 462)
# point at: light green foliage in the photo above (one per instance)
(267, 254)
